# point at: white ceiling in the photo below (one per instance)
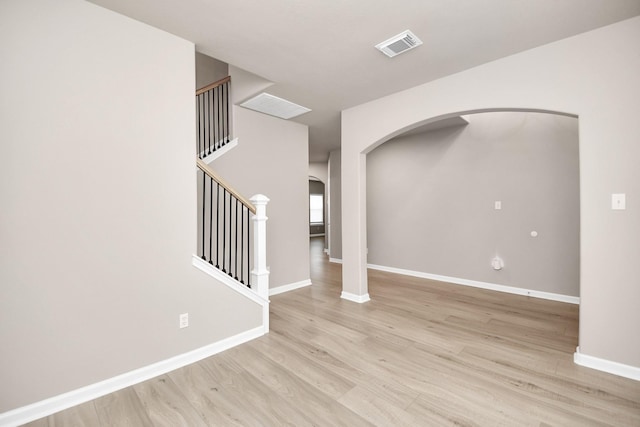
(321, 54)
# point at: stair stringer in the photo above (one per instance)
(220, 151)
(235, 285)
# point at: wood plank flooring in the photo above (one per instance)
(421, 353)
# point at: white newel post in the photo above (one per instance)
(260, 274)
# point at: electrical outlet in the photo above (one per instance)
(497, 205)
(184, 320)
(618, 202)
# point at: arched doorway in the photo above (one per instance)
(317, 207)
(354, 274)
(446, 199)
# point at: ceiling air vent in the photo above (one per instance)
(398, 44)
(274, 106)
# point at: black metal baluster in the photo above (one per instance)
(212, 114)
(207, 125)
(242, 245)
(214, 136)
(230, 228)
(210, 220)
(227, 91)
(248, 245)
(218, 132)
(212, 129)
(217, 225)
(214, 101)
(224, 227)
(198, 123)
(203, 203)
(236, 250)
(204, 124)
(221, 124)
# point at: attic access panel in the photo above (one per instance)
(274, 106)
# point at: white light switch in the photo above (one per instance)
(618, 201)
(497, 205)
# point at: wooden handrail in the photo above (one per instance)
(211, 174)
(213, 85)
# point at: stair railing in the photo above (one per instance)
(212, 113)
(226, 240)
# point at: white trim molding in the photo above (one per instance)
(204, 266)
(483, 285)
(335, 260)
(43, 408)
(289, 287)
(615, 368)
(220, 151)
(355, 298)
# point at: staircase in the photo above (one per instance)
(231, 227)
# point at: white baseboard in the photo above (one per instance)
(483, 285)
(317, 235)
(335, 260)
(289, 287)
(355, 298)
(64, 401)
(615, 368)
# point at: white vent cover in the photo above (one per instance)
(274, 106)
(398, 44)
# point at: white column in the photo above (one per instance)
(260, 274)
(354, 226)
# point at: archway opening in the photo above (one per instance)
(317, 207)
(488, 200)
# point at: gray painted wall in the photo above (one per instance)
(98, 196)
(319, 170)
(316, 187)
(272, 159)
(209, 70)
(335, 205)
(430, 201)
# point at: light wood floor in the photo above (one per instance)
(421, 353)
